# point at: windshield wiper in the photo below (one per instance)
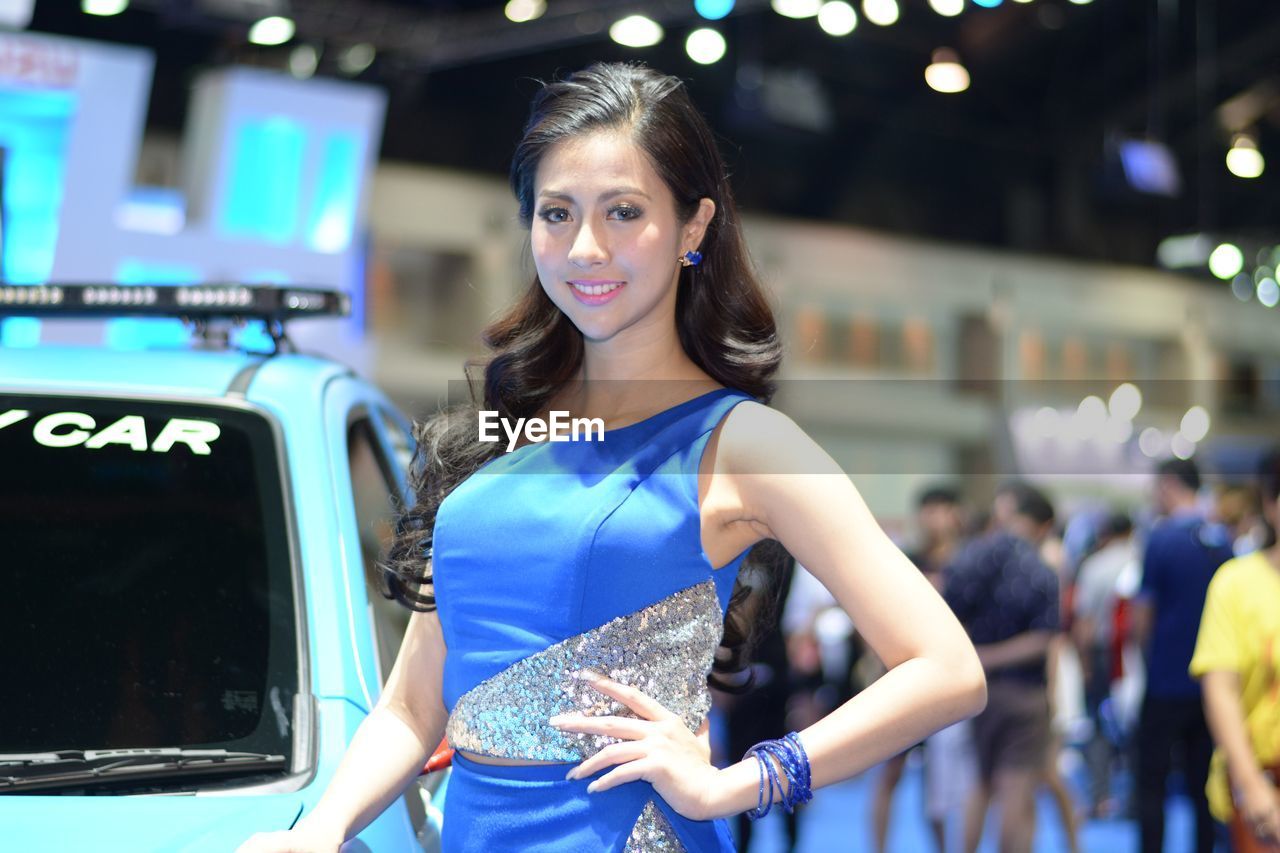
(74, 767)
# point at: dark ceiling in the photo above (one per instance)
(837, 129)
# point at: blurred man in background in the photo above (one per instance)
(1096, 597)
(947, 776)
(940, 522)
(1183, 552)
(1007, 599)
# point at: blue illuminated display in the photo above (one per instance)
(989, 4)
(277, 182)
(33, 132)
(713, 10)
(333, 214)
(33, 135)
(265, 180)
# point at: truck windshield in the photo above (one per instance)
(146, 597)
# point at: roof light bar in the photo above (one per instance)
(192, 302)
(38, 295)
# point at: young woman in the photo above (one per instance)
(572, 595)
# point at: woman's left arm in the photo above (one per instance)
(792, 491)
(778, 481)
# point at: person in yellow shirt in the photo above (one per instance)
(1237, 660)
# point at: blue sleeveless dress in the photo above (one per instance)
(576, 555)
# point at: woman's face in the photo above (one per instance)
(606, 238)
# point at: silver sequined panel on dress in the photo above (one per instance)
(653, 834)
(664, 650)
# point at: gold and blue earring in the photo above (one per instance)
(690, 259)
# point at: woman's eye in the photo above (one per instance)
(553, 214)
(625, 212)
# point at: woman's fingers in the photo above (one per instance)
(618, 753)
(644, 705)
(626, 728)
(629, 772)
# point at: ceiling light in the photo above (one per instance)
(945, 73)
(796, 8)
(1183, 251)
(1195, 424)
(636, 31)
(882, 13)
(947, 8)
(1046, 421)
(356, 58)
(103, 7)
(988, 4)
(1082, 2)
(713, 10)
(273, 30)
(1090, 417)
(1182, 447)
(1125, 401)
(704, 46)
(1226, 260)
(1151, 442)
(1244, 160)
(519, 11)
(1118, 430)
(1269, 292)
(837, 18)
(1242, 287)
(303, 60)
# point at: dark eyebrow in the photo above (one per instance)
(607, 194)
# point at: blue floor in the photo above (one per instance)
(839, 819)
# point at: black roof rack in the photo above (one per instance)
(197, 304)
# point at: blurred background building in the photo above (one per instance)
(1018, 206)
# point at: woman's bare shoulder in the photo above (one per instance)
(759, 439)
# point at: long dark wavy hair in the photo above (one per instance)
(723, 318)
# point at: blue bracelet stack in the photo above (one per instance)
(794, 761)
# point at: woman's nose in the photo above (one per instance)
(587, 249)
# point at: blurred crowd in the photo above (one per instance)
(1131, 655)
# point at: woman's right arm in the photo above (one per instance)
(387, 753)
